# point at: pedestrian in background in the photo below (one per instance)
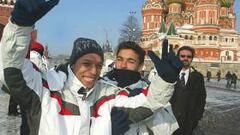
(218, 75)
(234, 80)
(228, 77)
(209, 75)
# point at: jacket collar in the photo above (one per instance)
(75, 85)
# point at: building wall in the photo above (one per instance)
(5, 12)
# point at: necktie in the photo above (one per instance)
(182, 79)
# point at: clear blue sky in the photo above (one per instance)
(88, 18)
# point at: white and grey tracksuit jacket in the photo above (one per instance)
(52, 100)
(162, 122)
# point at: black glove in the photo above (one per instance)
(27, 12)
(169, 66)
(120, 122)
(63, 68)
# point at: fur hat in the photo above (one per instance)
(83, 46)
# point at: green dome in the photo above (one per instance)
(225, 3)
(175, 1)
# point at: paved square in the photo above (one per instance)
(9, 125)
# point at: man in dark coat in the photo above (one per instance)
(189, 96)
(228, 77)
(234, 80)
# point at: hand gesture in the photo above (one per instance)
(27, 12)
(120, 122)
(169, 66)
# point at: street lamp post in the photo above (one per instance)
(131, 29)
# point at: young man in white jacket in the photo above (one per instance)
(126, 74)
(57, 104)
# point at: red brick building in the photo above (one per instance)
(209, 26)
(5, 11)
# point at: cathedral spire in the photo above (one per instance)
(172, 30)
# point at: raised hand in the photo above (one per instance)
(169, 66)
(27, 12)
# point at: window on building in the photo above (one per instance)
(215, 38)
(191, 37)
(186, 37)
(211, 53)
(176, 46)
(227, 53)
(210, 37)
(191, 20)
(232, 39)
(211, 21)
(199, 37)
(226, 39)
(229, 58)
(204, 37)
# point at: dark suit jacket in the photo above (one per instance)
(188, 102)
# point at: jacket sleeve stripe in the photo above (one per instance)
(99, 103)
(35, 67)
(123, 93)
(63, 111)
(45, 83)
(66, 107)
(145, 91)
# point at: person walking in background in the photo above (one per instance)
(228, 77)
(209, 75)
(233, 80)
(189, 95)
(218, 75)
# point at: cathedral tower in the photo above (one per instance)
(206, 16)
(153, 13)
(174, 12)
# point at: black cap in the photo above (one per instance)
(83, 46)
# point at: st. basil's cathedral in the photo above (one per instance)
(209, 26)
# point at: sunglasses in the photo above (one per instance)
(188, 56)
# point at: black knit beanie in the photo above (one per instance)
(83, 46)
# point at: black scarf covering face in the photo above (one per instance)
(124, 77)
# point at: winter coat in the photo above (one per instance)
(163, 121)
(188, 102)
